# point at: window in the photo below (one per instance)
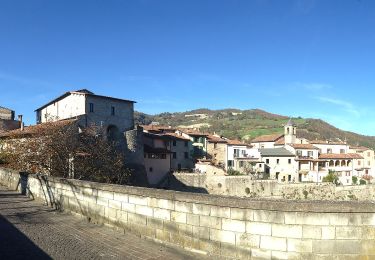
(186, 155)
(163, 156)
(241, 163)
(368, 154)
(267, 161)
(186, 143)
(112, 111)
(230, 163)
(289, 161)
(150, 170)
(174, 142)
(91, 107)
(174, 155)
(299, 152)
(215, 145)
(359, 163)
(278, 161)
(329, 150)
(310, 154)
(342, 151)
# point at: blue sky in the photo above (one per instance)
(293, 57)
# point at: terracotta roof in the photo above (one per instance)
(237, 142)
(81, 92)
(157, 127)
(215, 139)
(267, 138)
(359, 148)
(193, 132)
(304, 146)
(40, 129)
(281, 141)
(340, 156)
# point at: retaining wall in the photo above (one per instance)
(231, 227)
(244, 186)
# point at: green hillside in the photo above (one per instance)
(248, 124)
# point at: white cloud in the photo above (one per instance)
(347, 106)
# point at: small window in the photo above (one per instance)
(174, 142)
(215, 145)
(241, 163)
(91, 107)
(186, 155)
(174, 155)
(310, 154)
(230, 163)
(150, 170)
(186, 143)
(277, 161)
(289, 161)
(112, 111)
(267, 161)
(163, 156)
(342, 151)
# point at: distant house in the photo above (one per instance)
(112, 115)
(280, 164)
(7, 121)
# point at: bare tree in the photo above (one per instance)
(66, 151)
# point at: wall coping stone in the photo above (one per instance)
(222, 201)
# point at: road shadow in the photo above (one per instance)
(15, 245)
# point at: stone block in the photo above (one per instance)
(300, 245)
(258, 228)
(105, 194)
(186, 230)
(223, 236)
(128, 207)
(154, 223)
(338, 219)
(211, 222)
(220, 212)
(110, 213)
(137, 219)
(161, 203)
(102, 201)
(313, 219)
(201, 232)
(347, 247)
(368, 219)
(348, 232)
(289, 231)
(367, 247)
(192, 219)
(260, 254)
(311, 232)
(212, 247)
(324, 246)
(273, 243)
(290, 218)
(228, 251)
(241, 214)
(201, 209)
(269, 216)
(179, 217)
(144, 210)
(138, 200)
(247, 240)
(162, 214)
(183, 207)
(121, 197)
(114, 204)
(233, 225)
(328, 233)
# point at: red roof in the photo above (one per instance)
(304, 146)
(340, 156)
(40, 129)
(267, 138)
(215, 139)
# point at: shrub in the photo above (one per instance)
(331, 177)
(362, 182)
(354, 180)
(233, 172)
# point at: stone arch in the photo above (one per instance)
(331, 163)
(113, 133)
(343, 163)
(337, 163)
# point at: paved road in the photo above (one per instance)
(31, 231)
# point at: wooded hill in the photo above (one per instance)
(248, 124)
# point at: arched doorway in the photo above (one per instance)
(113, 133)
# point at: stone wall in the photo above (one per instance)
(231, 227)
(7, 125)
(244, 186)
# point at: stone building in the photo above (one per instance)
(7, 120)
(112, 116)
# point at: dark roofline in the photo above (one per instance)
(81, 93)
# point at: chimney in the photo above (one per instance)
(20, 119)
